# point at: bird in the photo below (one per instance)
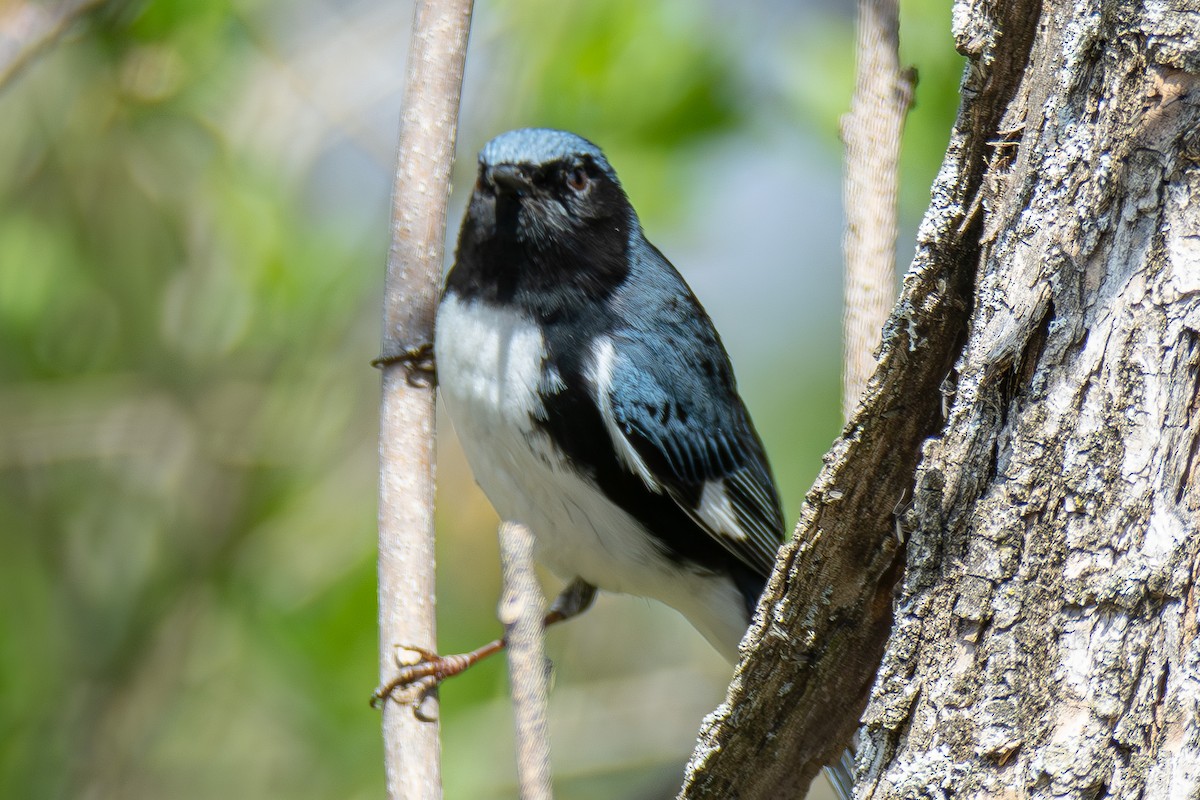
(595, 402)
(593, 397)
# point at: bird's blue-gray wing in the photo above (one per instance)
(676, 420)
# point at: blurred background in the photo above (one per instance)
(193, 225)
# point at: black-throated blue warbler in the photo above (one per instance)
(592, 394)
(595, 401)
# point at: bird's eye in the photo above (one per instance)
(577, 179)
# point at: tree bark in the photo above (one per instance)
(1032, 433)
(1045, 642)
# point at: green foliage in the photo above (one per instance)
(654, 61)
(176, 381)
(649, 80)
(821, 80)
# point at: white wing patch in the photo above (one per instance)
(604, 356)
(715, 511)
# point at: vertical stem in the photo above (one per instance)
(522, 609)
(871, 132)
(406, 555)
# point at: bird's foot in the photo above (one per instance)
(414, 681)
(419, 366)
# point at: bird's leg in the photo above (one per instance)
(573, 600)
(419, 365)
(432, 668)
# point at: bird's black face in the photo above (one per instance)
(555, 229)
(545, 206)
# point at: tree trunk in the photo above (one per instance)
(1037, 409)
(1045, 633)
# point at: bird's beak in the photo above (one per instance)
(509, 179)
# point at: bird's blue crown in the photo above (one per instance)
(541, 146)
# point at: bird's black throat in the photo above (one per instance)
(546, 265)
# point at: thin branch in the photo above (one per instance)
(406, 436)
(871, 131)
(522, 608)
(27, 29)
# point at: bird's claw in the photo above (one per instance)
(417, 679)
(419, 366)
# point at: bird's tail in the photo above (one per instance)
(841, 774)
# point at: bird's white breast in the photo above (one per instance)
(492, 370)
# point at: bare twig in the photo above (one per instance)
(871, 131)
(522, 607)
(28, 28)
(406, 557)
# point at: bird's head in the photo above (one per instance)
(547, 209)
(542, 187)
